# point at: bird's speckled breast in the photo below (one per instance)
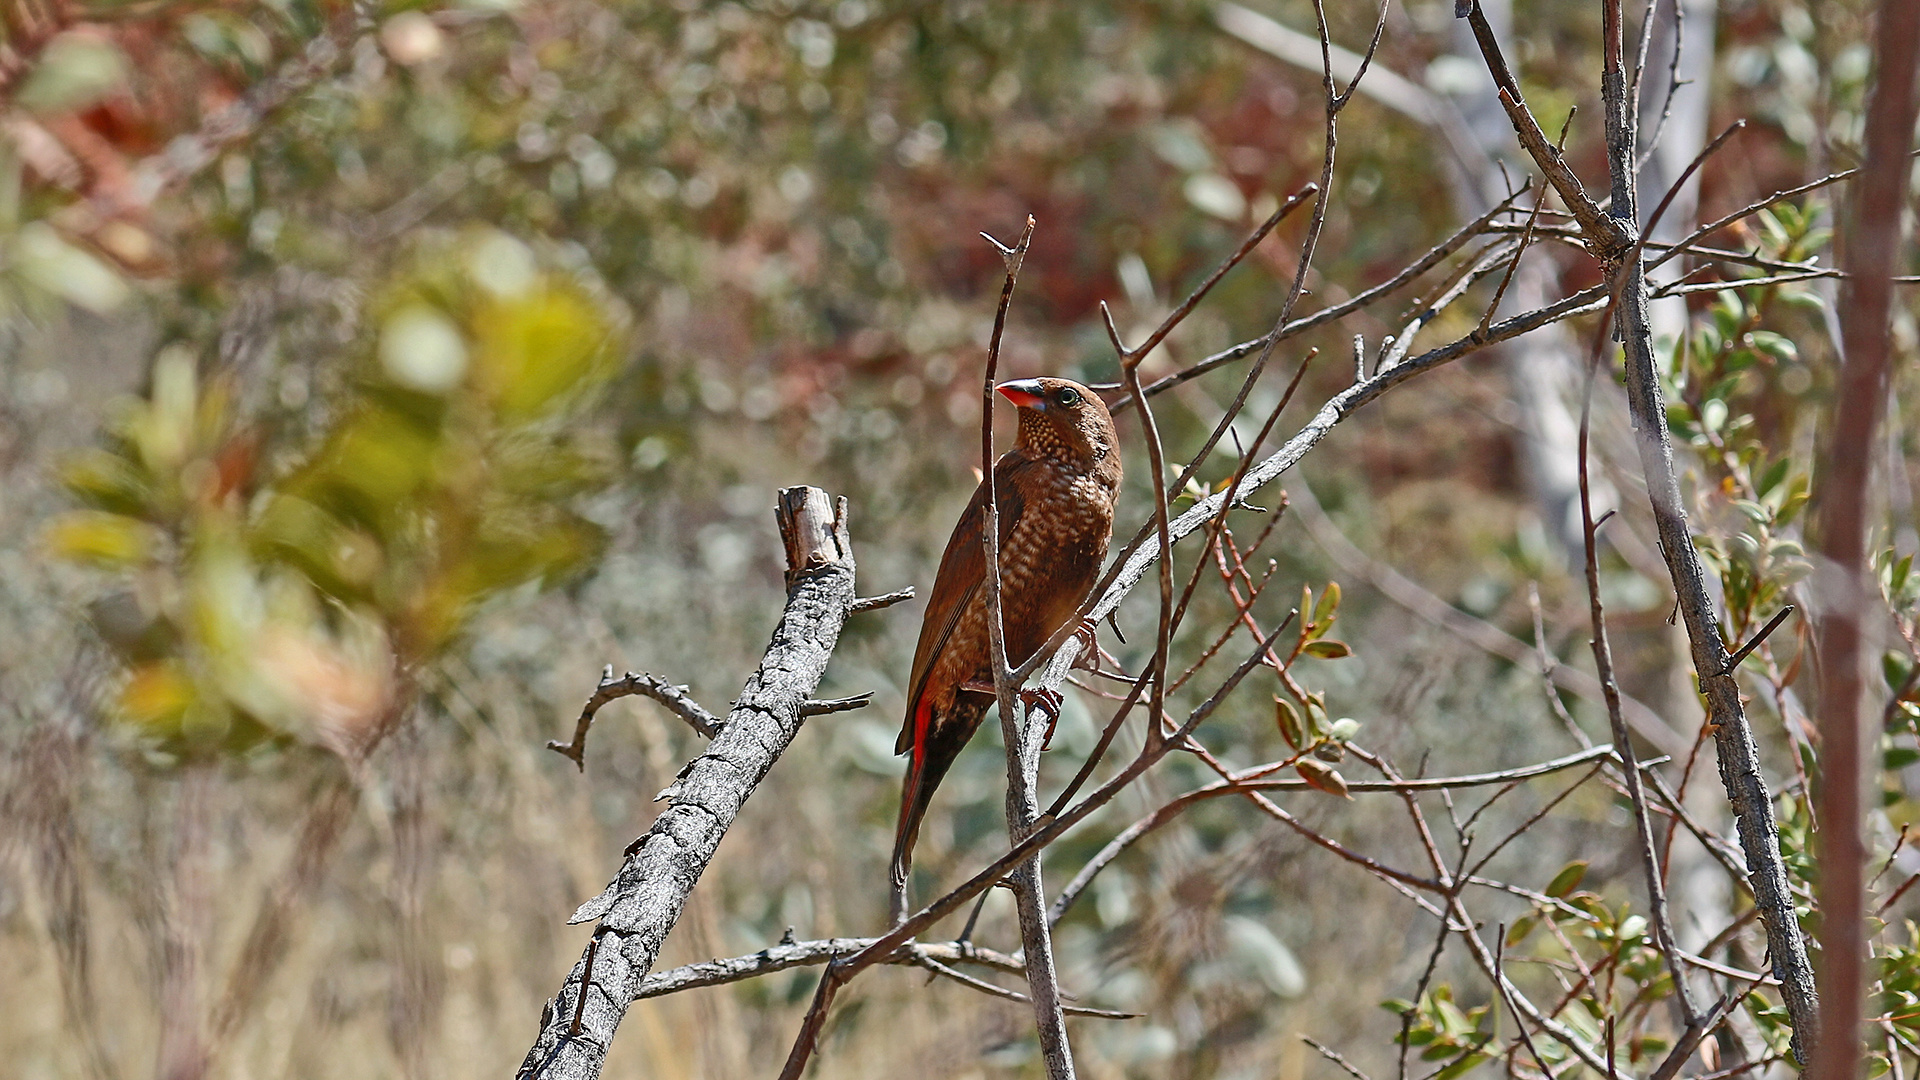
(1048, 563)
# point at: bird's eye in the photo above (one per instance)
(1068, 396)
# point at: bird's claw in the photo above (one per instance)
(1047, 701)
(1033, 697)
(1089, 653)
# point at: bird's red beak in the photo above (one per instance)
(1026, 393)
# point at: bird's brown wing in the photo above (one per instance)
(962, 570)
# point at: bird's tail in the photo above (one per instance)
(926, 767)
(915, 795)
(936, 743)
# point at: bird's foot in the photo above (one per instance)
(1092, 657)
(1034, 697)
(1047, 701)
(1090, 653)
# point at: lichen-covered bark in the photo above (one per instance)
(640, 907)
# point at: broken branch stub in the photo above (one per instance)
(644, 901)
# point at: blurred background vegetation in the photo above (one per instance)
(370, 376)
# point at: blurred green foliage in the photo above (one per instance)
(293, 594)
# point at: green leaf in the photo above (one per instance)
(540, 349)
(1329, 605)
(1461, 1065)
(1894, 668)
(1567, 880)
(1292, 728)
(70, 273)
(1772, 477)
(1713, 414)
(1778, 346)
(1327, 649)
(75, 70)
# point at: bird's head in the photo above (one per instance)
(1061, 418)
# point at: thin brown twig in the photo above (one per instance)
(1603, 667)
(1500, 984)
(1427, 261)
(1179, 314)
(1343, 1064)
(586, 980)
(1002, 992)
(1513, 265)
(1673, 189)
(1046, 830)
(1022, 803)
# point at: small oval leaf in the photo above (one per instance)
(1323, 776)
(1567, 880)
(1292, 728)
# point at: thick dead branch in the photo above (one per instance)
(642, 904)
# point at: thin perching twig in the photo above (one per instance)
(1023, 803)
(1603, 668)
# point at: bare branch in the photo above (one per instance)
(834, 705)
(1603, 665)
(1179, 314)
(1738, 753)
(1046, 830)
(1256, 779)
(1023, 760)
(885, 600)
(644, 901)
(1603, 234)
(991, 990)
(1427, 261)
(1481, 634)
(675, 698)
(1345, 1065)
(791, 954)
